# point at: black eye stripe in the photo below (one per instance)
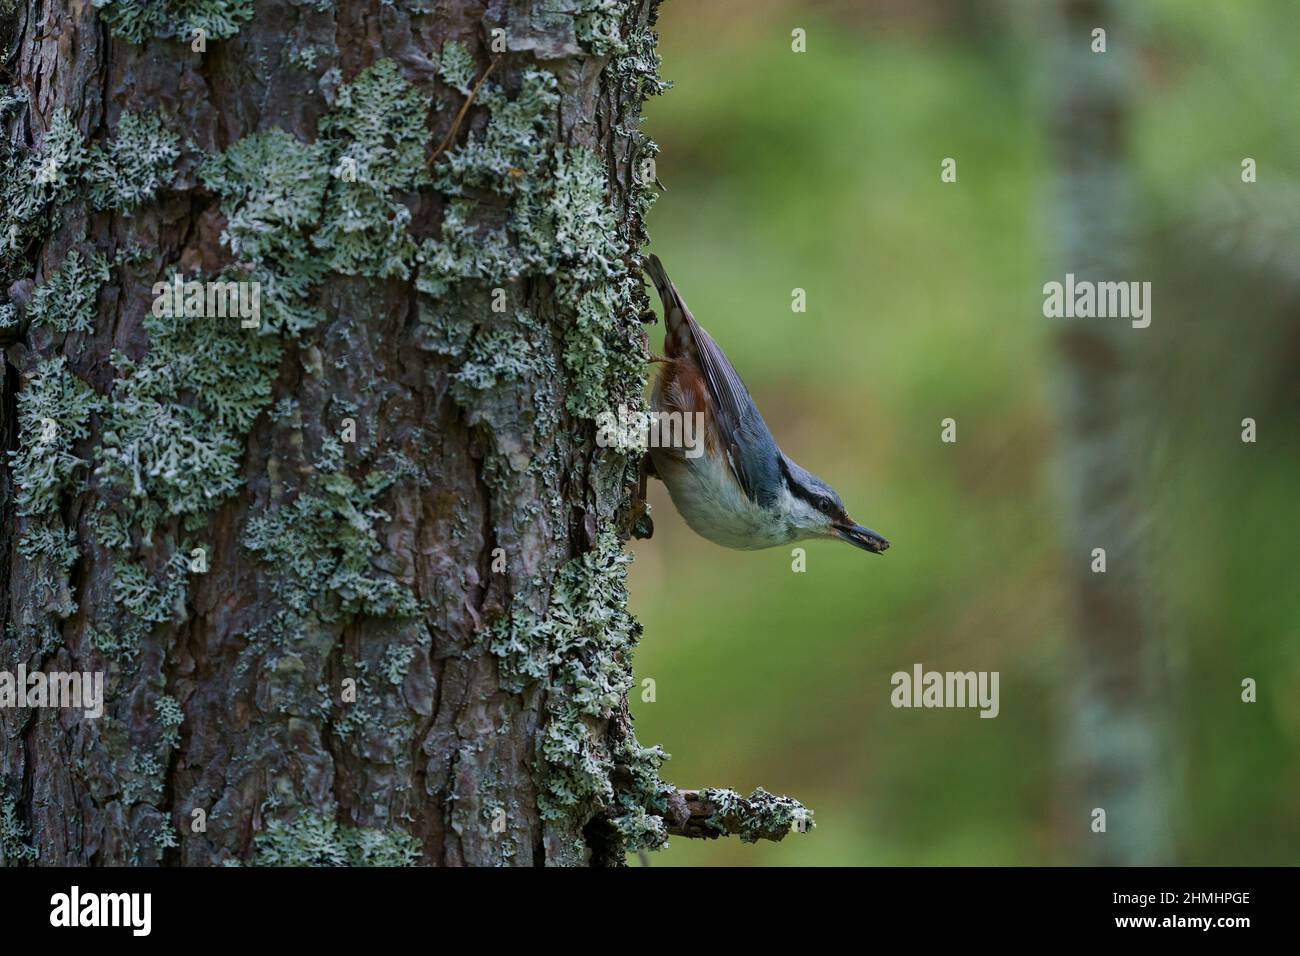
(810, 497)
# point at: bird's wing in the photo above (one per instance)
(744, 436)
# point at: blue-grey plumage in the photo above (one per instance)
(743, 491)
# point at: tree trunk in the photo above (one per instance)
(354, 576)
(1116, 738)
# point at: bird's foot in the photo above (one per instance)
(642, 525)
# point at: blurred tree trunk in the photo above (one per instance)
(1116, 739)
(355, 577)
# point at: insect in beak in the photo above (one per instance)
(861, 537)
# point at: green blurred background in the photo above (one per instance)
(821, 171)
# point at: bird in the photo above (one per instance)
(742, 491)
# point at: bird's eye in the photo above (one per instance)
(824, 504)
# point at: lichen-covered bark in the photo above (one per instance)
(356, 575)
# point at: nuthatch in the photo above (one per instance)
(743, 491)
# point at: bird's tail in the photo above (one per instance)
(677, 318)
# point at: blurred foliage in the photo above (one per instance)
(821, 171)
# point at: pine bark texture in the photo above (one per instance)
(354, 576)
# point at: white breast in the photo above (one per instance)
(707, 495)
(713, 504)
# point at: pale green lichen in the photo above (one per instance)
(66, 300)
(52, 550)
(396, 662)
(515, 146)
(317, 839)
(54, 410)
(560, 224)
(637, 813)
(603, 354)
(272, 188)
(585, 642)
(366, 711)
(31, 181)
(123, 645)
(497, 356)
(143, 782)
(170, 718)
(120, 173)
(377, 138)
(587, 250)
(166, 837)
(322, 544)
(456, 66)
(173, 433)
(51, 541)
(166, 458)
(296, 210)
(139, 20)
(598, 25)
(304, 56)
(760, 816)
(464, 252)
(112, 528)
(273, 185)
(134, 164)
(152, 598)
(15, 849)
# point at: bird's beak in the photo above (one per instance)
(861, 537)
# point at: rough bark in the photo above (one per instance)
(489, 724)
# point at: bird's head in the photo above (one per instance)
(814, 510)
